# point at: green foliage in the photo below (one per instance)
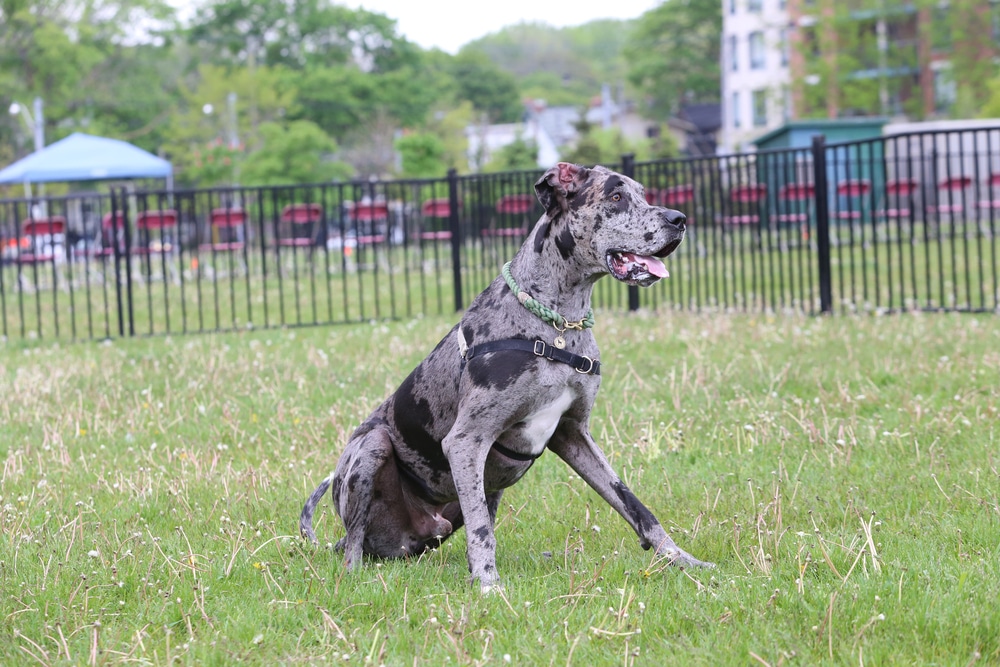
(673, 55)
(842, 50)
(563, 66)
(519, 155)
(422, 155)
(301, 34)
(991, 108)
(491, 90)
(216, 163)
(607, 145)
(298, 152)
(449, 126)
(261, 95)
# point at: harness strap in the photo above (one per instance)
(539, 348)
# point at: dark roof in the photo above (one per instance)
(707, 117)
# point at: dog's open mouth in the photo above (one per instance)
(636, 269)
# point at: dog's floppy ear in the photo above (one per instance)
(558, 185)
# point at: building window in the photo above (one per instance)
(757, 50)
(759, 108)
(755, 5)
(785, 47)
(734, 53)
(732, 6)
(736, 109)
(944, 89)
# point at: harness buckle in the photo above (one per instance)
(539, 348)
(589, 368)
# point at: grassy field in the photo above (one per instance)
(842, 472)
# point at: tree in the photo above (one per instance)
(422, 155)
(607, 145)
(674, 53)
(298, 152)
(69, 54)
(489, 88)
(225, 106)
(520, 154)
(298, 34)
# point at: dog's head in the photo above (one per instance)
(603, 218)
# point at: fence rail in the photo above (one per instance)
(896, 223)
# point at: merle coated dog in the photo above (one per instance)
(516, 376)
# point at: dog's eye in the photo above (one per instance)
(616, 197)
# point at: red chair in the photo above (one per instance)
(747, 200)
(951, 192)
(512, 205)
(369, 219)
(156, 233)
(435, 209)
(854, 191)
(793, 206)
(677, 195)
(992, 183)
(112, 232)
(228, 230)
(44, 240)
(899, 194)
(298, 223)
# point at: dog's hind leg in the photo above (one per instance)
(354, 488)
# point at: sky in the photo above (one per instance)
(449, 24)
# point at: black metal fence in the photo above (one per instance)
(896, 223)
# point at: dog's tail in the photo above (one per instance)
(306, 518)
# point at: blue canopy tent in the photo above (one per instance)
(84, 157)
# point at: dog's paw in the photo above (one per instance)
(496, 588)
(682, 559)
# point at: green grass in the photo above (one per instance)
(842, 473)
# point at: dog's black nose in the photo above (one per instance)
(675, 218)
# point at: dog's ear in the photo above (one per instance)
(558, 185)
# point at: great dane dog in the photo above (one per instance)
(518, 374)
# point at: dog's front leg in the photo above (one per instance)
(584, 456)
(467, 454)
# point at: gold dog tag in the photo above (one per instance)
(560, 342)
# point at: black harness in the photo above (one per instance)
(581, 364)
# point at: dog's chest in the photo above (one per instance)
(537, 428)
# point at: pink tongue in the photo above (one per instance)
(653, 265)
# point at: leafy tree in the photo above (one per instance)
(449, 125)
(294, 153)
(298, 34)
(520, 154)
(674, 53)
(206, 119)
(489, 88)
(607, 145)
(422, 155)
(65, 52)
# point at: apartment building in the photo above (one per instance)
(756, 70)
(901, 59)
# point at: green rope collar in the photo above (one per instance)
(545, 313)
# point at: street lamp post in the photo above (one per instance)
(34, 122)
(36, 125)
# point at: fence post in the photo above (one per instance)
(628, 169)
(822, 223)
(456, 238)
